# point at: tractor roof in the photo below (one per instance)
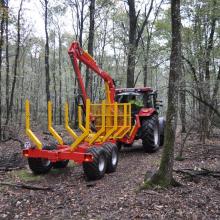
(138, 90)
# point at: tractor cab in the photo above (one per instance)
(144, 113)
(138, 97)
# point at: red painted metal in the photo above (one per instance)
(63, 152)
(78, 156)
(146, 112)
(130, 139)
(77, 53)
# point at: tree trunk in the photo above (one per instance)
(54, 79)
(60, 76)
(183, 102)
(17, 53)
(89, 77)
(146, 58)
(134, 38)
(131, 47)
(207, 118)
(164, 176)
(1, 44)
(7, 63)
(46, 60)
(80, 26)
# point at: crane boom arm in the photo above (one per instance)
(77, 53)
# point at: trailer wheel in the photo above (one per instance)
(127, 145)
(60, 164)
(150, 134)
(112, 157)
(119, 145)
(40, 165)
(95, 170)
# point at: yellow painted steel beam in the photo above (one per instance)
(102, 129)
(29, 133)
(107, 92)
(124, 126)
(115, 123)
(69, 130)
(50, 127)
(81, 127)
(85, 134)
(127, 118)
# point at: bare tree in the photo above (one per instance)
(17, 53)
(47, 52)
(135, 33)
(90, 45)
(1, 45)
(60, 74)
(7, 62)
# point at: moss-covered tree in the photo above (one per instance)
(164, 176)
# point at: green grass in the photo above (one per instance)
(71, 164)
(26, 175)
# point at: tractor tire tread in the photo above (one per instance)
(147, 133)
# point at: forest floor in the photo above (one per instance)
(117, 195)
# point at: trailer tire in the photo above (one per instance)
(111, 156)
(95, 170)
(40, 165)
(127, 145)
(150, 134)
(60, 164)
(119, 145)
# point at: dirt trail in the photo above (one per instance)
(116, 196)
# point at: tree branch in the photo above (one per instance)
(200, 99)
(140, 32)
(25, 186)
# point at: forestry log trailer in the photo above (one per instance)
(96, 149)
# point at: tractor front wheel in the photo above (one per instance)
(112, 156)
(150, 134)
(96, 169)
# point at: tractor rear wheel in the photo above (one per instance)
(112, 154)
(162, 123)
(40, 165)
(96, 169)
(150, 134)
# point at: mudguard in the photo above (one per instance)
(146, 112)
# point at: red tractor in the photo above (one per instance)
(144, 108)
